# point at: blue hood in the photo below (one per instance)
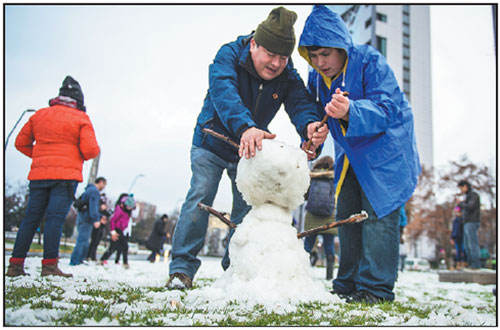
(325, 28)
(379, 142)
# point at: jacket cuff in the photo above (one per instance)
(243, 128)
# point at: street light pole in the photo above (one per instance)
(8, 136)
(133, 182)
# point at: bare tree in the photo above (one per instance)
(433, 219)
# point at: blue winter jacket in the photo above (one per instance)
(379, 142)
(93, 197)
(238, 99)
(457, 229)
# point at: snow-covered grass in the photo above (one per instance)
(111, 295)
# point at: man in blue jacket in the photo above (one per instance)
(249, 80)
(86, 219)
(377, 163)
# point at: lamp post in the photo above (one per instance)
(133, 182)
(8, 136)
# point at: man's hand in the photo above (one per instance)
(311, 152)
(339, 106)
(317, 133)
(251, 137)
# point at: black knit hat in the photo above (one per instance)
(71, 88)
(276, 33)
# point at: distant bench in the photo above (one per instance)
(481, 277)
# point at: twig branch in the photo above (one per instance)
(325, 118)
(219, 215)
(222, 137)
(355, 218)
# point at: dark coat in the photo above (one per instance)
(457, 231)
(238, 99)
(471, 207)
(321, 197)
(157, 236)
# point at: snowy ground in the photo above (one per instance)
(111, 295)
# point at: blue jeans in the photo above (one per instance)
(191, 228)
(369, 251)
(82, 241)
(327, 243)
(471, 244)
(52, 199)
(459, 246)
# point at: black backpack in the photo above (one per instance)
(80, 204)
(321, 197)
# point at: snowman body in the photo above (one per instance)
(268, 261)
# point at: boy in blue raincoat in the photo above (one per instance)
(377, 163)
(249, 80)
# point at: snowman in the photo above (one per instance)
(268, 263)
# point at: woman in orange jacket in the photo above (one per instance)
(64, 138)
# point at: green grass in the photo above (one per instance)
(37, 247)
(106, 304)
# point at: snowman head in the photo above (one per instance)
(278, 175)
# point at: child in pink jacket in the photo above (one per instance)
(118, 223)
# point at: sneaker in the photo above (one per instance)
(365, 297)
(179, 281)
(102, 262)
(126, 266)
(342, 295)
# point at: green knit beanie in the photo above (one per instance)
(276, 33)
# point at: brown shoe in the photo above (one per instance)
(16, 270)
(179, 281)
(52, 269)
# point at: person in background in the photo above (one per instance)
(87, 219)
(171, 224)
(376, 158)
(320, 209)
(98, 232)
(471, 217)
(249, 80)
(58, 139)
(457, 239)
(403, 221)
(118, 223)
(157, 237)
(485, 255)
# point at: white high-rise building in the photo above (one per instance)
(402, 34)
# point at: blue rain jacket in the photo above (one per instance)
(238, 99)
(379, 142)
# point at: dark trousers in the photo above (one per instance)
(95, 238)
(120, 244)
(52, 199)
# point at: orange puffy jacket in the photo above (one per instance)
(64, 139)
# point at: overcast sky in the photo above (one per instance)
(144, 74)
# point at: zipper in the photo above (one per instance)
(261, 87)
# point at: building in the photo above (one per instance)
(402, 34)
